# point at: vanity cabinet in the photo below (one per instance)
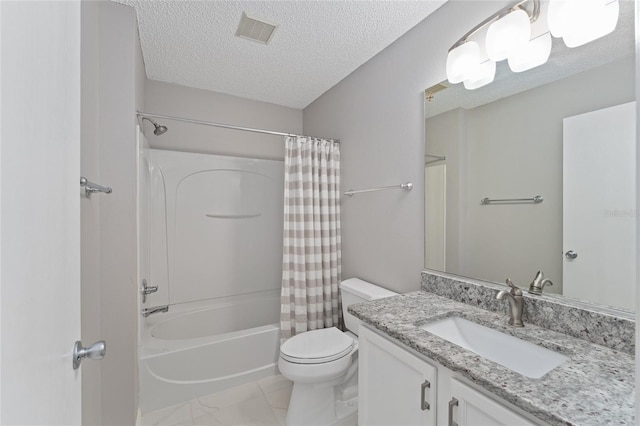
(395, 387)
(399, 388)
(468, 407)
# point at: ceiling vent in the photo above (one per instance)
(255, 29)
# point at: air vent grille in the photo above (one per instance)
(256, 30)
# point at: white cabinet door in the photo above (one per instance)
(396, 388)
(468, 407)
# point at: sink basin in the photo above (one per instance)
(518, 355)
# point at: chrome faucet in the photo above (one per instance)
(516, 303)
(158, 309)
(538, 283)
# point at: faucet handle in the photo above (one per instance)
(515, 290)
(538, 283)
(539, 277)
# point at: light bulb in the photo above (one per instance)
(482, 75)
(534, 54)
(461, 61)
(596, 20)
(581, 21)
(508, 35)
(558, 14)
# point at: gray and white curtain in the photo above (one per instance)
(312, 248)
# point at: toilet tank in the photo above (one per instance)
(355, 290)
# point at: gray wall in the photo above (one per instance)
(514, 149)
(171, 99)
(377, 112)
(446, 137)
(112, 89)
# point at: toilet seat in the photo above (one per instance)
(317, 346)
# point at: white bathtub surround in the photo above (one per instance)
(312, 243)
(202, 320)
(215, 226)
(197, 349)
(211, 243)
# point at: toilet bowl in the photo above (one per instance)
(323, 364)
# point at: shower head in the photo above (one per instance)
(159, 130)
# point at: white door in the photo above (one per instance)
(40, 212)
(599, 211)
(395, 387)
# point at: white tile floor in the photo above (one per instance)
(260, 403)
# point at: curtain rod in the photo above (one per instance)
(224, 126)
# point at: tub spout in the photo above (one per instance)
(158, 309)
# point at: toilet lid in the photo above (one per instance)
(317, 346)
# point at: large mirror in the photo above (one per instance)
(563, 132)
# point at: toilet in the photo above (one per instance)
(323, 364)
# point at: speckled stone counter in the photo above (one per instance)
(598, 324)
(595, 387)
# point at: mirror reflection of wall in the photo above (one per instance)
(513, 148)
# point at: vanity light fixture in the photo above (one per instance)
(579, 22)
(504, 34)
(482, 75)
(536, 52)
(462, 61)
(521, 34)
(508, 35)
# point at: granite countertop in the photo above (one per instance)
(596, 387)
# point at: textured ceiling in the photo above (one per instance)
(317, 43)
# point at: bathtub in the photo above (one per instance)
(200, 348)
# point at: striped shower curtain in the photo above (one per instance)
(312, 249)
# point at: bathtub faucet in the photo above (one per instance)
(158, 309)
